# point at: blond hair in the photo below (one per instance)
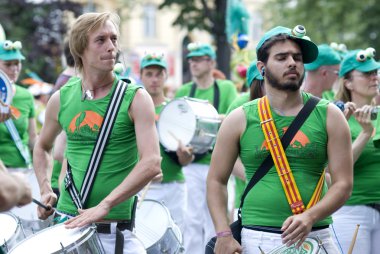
(343, 93)
(82, 27)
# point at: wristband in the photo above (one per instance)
(223, 233)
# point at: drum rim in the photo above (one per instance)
(86, 236)
(8, 84)
(18, 227)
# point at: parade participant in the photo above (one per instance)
(21, 110)
(220, 93)
(172, 189)
(358, 87)
(322, 73)
(256, 90)
(14, 190)
(269, 218)
(131, 157)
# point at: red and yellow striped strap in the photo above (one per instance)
(318, 191)
(279, 158)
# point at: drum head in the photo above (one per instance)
(152, 221)
(177, 122)
(8, 227)
(50, 240)
(6, 92)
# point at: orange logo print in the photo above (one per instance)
(15, 112)
(299, 140)
(86, 121)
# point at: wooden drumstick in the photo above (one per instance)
(40, 204)
(174, 136)
(353, 240)
(143, 194)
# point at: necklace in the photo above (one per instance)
(88, 93)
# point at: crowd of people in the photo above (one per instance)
(301, 147)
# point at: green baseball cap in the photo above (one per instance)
(200, 49)
(361, 60)
(326, 56)
(308, 48)
(153, 60)
(10, 50)
(253, 73)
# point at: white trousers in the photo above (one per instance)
(131, 244)
(252, 239)
(173, 196)
(199, 228)
(368, 237)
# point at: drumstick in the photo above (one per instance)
(261, 251)
(40, 204)
(174, 136)
(143, 194)
(353, 240)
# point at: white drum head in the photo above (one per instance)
(177, 122)
(6, 92)
(8, 227)
(152, 221)
(49, 240)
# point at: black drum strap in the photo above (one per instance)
(216, 94)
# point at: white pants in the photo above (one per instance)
(131, 244)
(252, 239)
(199, 228)
(173, 195)
(368, 237)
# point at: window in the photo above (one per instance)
(149, 20)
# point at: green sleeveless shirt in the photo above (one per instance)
(266, 203)
(81, 120)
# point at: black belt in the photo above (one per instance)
(105, 228)
(277, 230)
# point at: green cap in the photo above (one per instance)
(200, 49)
(10, 51)
(341, 49)
(153, 60)
(361, 60)
(326, 56)
(308, 48)
(253, 73)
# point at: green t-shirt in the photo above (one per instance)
(328, 95)
(266, 203)
(227, 92)
(81, 120)
(171, 170)
(57, 166)
(239, 184)
(366, 187)
(23, 109)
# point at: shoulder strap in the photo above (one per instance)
(98, 150)
(216, 94)
(285, 140)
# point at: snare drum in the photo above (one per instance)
(28, 214)
(309, 246)
(195, 122)
(10, 231)
(58, 239)
(156, 229)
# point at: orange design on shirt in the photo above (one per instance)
(15, 112)
(299, 140)
(87, 118)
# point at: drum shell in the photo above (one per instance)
(194, 122)
(10, 222)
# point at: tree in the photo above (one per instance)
(41, 29)
(209, 16)
(354, 23)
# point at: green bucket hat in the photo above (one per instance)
(253, 73)
(200, 49)
(308, 48)
(10, 51)
(326, 56)
(153, 60)
(361, 60)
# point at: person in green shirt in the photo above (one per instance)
(220, 93)
(21, 109)
(131, 157)
(322, 73)
(267, 218)
(358, 86)
(171, 189)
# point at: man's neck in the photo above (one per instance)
(311, 85)
(204, 81)
(287, 103)
(97, 80)
(158, 99)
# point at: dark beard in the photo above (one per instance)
(287, 86)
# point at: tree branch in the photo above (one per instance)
(207, 12)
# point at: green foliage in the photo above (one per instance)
(354, 23)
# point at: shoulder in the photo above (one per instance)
(184, 89)
(225, 83)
